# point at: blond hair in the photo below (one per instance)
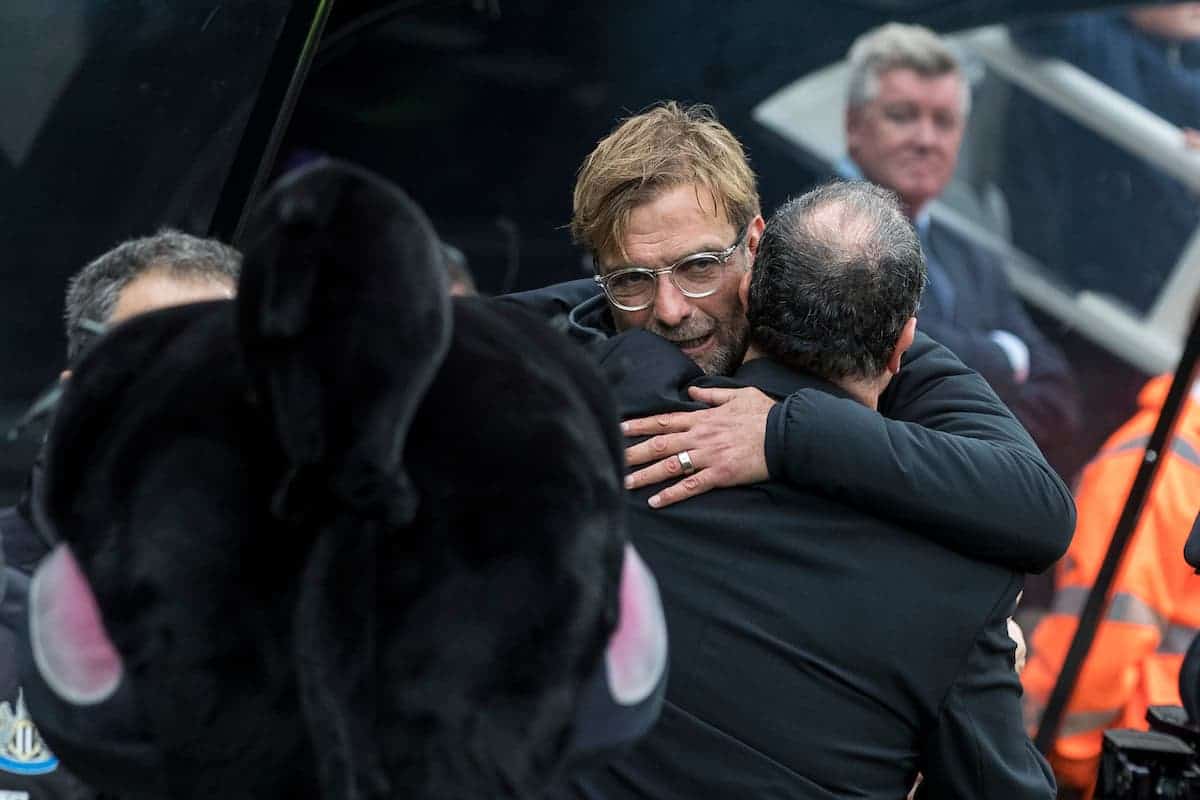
(666, 146)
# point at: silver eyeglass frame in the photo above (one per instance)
(722, 257)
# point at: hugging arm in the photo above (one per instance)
(945, 457)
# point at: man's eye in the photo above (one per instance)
(946, 122)
(698, 268)
(698, 275)
(629, 283)
(900, 113)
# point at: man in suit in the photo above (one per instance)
(906, 114)
(819, 650)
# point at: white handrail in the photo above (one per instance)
(1091, 103)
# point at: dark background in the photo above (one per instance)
(481, 109)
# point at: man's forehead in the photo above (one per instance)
(674, 223)
(908, 82)
(158, 288)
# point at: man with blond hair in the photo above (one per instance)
(703, 178)
(668, 207)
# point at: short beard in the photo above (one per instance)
(728, 356)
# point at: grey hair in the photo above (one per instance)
(838, 274)
(93, 292)
(899, 46)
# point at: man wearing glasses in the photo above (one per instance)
(713, 341)
(668, 207)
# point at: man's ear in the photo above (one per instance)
(853, 122)
(753, 235)
(903, 342)
(744, 289)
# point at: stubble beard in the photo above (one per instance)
(732, 339)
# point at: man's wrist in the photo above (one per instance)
(774, 443)
(1016, 351)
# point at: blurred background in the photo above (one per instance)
(122, 116)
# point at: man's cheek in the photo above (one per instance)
(628, 320)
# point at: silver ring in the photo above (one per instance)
(685, 461)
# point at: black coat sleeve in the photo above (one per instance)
(946, 458)
(978, 747)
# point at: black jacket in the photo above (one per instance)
(946, 458)
(817, 651)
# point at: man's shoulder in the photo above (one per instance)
(648, 374)
(556, 297)
(577, 308)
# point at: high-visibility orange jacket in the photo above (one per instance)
(1155, 609)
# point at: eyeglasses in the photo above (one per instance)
(698, 275)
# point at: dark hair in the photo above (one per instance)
(93, 292)
(838, 273)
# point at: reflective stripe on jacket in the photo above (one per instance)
(1154, 612)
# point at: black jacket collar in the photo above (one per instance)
(779, 380)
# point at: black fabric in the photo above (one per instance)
(948, 457)
(328, 574)
(949, 460)
(818, 651)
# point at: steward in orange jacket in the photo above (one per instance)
(1155, 609)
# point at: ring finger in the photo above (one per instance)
(665, 469)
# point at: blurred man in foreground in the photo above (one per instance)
(166, 269)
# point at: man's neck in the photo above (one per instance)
(864, 391)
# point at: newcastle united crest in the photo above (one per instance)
(21, 747)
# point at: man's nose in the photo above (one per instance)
(671, 306)
(926, 132)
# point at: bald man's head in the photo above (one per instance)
(838, 276)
